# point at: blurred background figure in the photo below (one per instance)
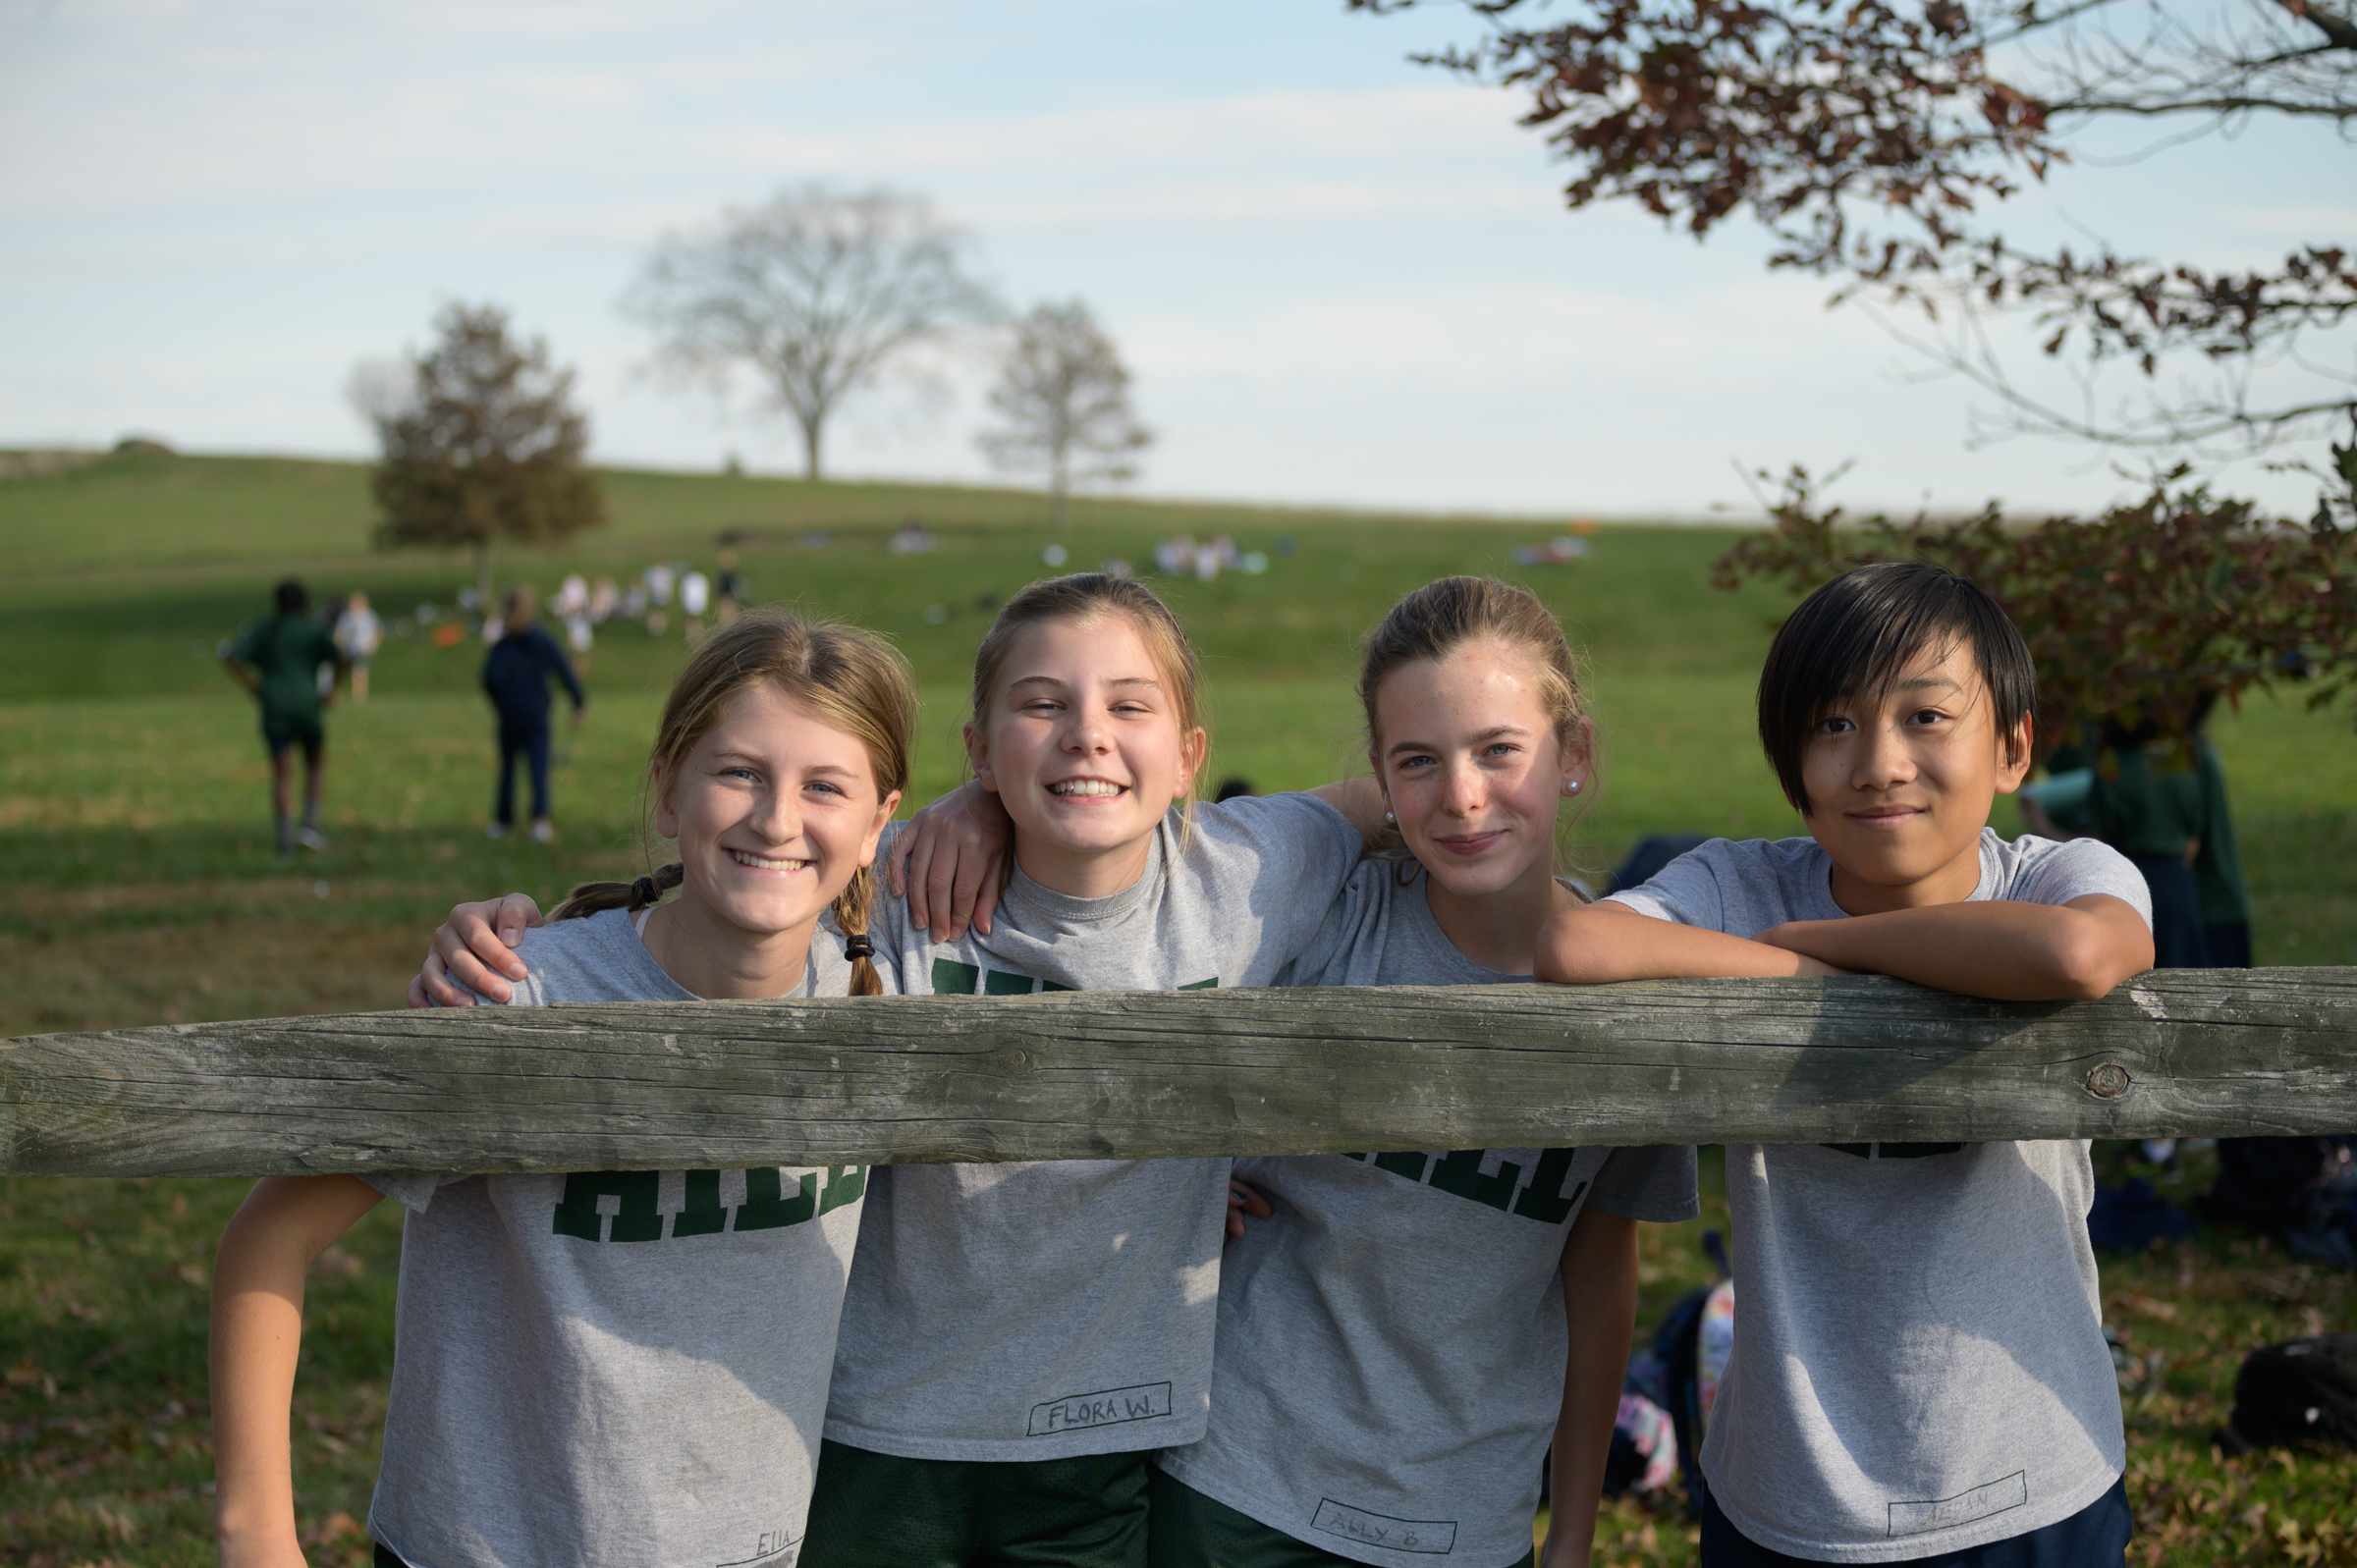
(357, 634)
(730, 587)
(2162, 803)
(570, 609)
(1234, 785)
(516, 677)
(695, 597)
(658, 581)
(278, 661)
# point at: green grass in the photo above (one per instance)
(133, 823)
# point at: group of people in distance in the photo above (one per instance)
(290, 664)
(1230, 1364)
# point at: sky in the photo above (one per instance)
(1336, 276)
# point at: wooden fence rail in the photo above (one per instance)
(1092, 1075)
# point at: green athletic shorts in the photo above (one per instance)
(872, 1510)
(281, 730)
(1187, 1530)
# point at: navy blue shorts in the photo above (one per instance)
(2096, 1536)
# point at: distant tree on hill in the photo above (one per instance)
(480, 442)
(820, 293)
(1065, 398)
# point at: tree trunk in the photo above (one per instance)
(811, 424)
(1059, 490)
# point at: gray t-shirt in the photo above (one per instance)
(1389, 1363)
(1038, 1311)
(626, 1368)
(1919, 1362)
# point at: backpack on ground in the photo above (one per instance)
(2296, 1395)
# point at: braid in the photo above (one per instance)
(593, 897)
(851, 910)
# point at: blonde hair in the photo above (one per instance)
(519, 608)
(852, 679)
(1445, 615)
(1084, 597)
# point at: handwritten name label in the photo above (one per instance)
(776, 1549)
(1106, 1408)
(1433, 1536)
(1990, 1497)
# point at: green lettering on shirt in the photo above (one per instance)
(1404, 1163)
(704, 1214)
(1543, 1200)
(577, 1211)
(765, 1206)
(1459, 1172)
(845, 1184)
(1213, 984)
(995, 984)
(954, 979)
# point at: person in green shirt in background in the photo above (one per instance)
(278, 661)
(2164, 805)
(2161, 804)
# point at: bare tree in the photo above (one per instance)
(480, 442)
(1065, 398)
(820, 293)
(1868, 137)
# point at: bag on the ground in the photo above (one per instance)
(1679, 1373)
(2299, 1393)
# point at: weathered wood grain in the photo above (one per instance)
(1172, 1073)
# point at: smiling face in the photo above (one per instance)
(1471, 768)
(774, 810)
(1899, 782)
(1083, 746)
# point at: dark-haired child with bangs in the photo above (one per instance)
(1919, 1372)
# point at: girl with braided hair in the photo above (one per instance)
(560, 1396)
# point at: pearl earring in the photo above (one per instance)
(1388, 817)
(1571, 787)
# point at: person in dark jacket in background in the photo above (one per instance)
(516, 677)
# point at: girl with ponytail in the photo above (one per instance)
(561, 1396)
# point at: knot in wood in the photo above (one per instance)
(2108, 1081)
(1016, 1057)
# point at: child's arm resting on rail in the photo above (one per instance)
(284, 1223)
(1600, 1307)
(1996, 947)
(1602, 942)
(471, 948)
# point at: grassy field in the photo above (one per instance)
(132, 817)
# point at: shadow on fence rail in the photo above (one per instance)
(1157, 1074)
